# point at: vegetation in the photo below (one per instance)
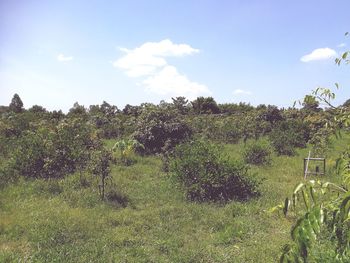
(257, 153)
(288, 135)
(100, 166)
(126, 149)
(160, 130)
(207, 174)
(327, 205)
(63, 199)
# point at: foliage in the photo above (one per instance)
(327, 209)
(181, 104)
(320, 141)
(159, 131)
(16, 104)
(233, 108)
(52, 151)
(207, 174)
(327, 205)
(311, 104)
(100, 166)
(104, 118)
(78, 111)
(257, 153)
(127, 149)
(132, 110)
(203, 105)
(288, 135)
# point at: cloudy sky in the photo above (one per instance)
(54, 53)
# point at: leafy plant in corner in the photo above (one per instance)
(327, 205)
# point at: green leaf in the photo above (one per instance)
(298, 187)
(345, 54)
(344, 208)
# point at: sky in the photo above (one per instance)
(56, 53)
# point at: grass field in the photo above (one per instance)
(147, 219)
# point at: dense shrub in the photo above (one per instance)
(288, 135)
(257, 152)
(52, 151)
(203, 105)
(207, 174)
(159, 131)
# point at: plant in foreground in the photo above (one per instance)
(327, 205)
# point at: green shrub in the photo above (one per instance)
(288, 135)
(207, 174)
(257, 153)
(49, 152)
(159, 131)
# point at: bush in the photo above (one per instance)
(207, 174)
(160, 131)
(257, 153)
(49, 152)
(288, 135)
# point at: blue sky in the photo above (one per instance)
(54, 53)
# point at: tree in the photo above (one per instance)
(311, 104)
(109, 110)
(37, 109)
(77, 109)
(203, 105)
(132, 110)
(159, 131)
(100, 166)
(181, 104)
(16, 104)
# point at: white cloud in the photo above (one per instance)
(341, 45)
(241, 92)
(62, 58)
(149, 61)
(170, 82)
(319, 54)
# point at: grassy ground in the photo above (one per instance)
(146, 219)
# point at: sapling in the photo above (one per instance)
(100, 166)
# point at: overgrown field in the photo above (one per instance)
(147, 219)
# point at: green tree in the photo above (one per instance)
(181, 104)
(16, 104)
(159, 131)
(100, 166)
(203, 105)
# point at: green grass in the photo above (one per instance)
(147, 219)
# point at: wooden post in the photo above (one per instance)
(307, 165)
